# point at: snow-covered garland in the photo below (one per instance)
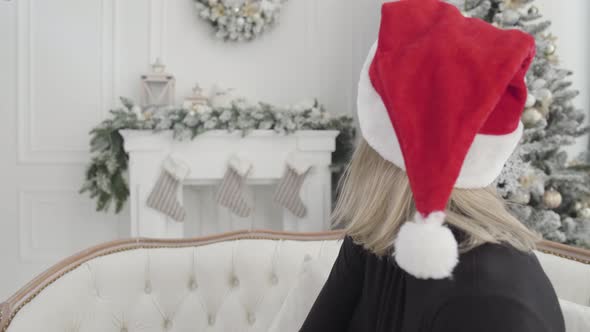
(239, 22)
(105, 175)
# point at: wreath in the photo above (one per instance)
(239, 22)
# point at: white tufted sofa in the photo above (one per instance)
(229, 282)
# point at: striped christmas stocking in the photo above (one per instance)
(287, 192)
(164, 196)
(231, 192)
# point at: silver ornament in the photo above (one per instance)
(533, 10)
(521, 197)
(543, 94)
(510, 17)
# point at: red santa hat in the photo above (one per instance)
(441, 97)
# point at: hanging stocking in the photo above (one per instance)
(287, 192)
(231, 191)
(164, 196)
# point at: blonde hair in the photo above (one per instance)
(375, 199)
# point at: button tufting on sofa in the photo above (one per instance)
(192, 283)
(274, 279)
(234, 281)
(147, 287)
(167, 324)
(194, 286)
(251, 318)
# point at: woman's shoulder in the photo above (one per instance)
(353, 247)
(501, 266)
(500, 279)
(352, 255)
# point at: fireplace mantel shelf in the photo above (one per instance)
(207, 155)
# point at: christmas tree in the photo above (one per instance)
(545, 188)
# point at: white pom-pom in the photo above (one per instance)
(425, 248)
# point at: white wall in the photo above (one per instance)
(65, 62)
(571, 24)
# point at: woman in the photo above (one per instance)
(440, 99)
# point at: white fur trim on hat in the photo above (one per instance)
(241, 166)
(425, 248)
(177, 168)
(485, 158)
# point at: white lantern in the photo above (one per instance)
(157, 87)
(196, 99)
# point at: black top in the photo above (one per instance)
(494, 288)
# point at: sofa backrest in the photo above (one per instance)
(230, 282)
(568, 269)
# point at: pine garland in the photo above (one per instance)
(105, 177)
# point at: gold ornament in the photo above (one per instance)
(550, 49)
(218, 10)
(552, 198)
(250, 9)
(526, 180)
(148, 115)
(514, 4)
(551, 57)
(531, 116)
(546, 99)
(550, 38)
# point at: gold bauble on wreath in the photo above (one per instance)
(552, 198)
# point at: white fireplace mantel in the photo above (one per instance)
(207, 155)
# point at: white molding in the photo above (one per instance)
(30, 197)
(310, 41)
(158, 28)
(29, 150)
